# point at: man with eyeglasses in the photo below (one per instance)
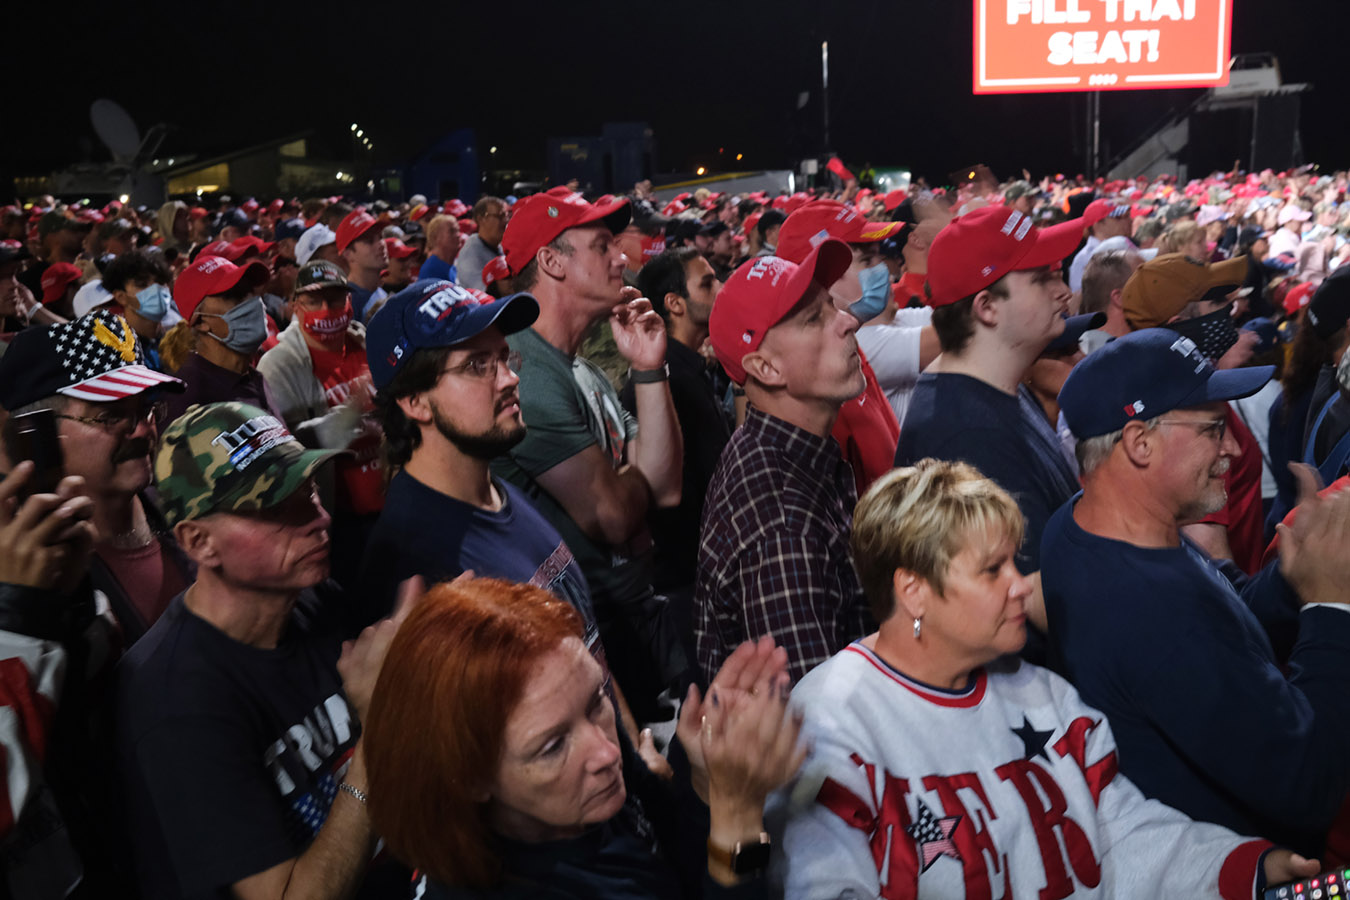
(489, 215)
(1183, 653)
(1193, 298)
(449, 403)
(92, 374)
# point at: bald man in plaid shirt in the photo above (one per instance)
(774, 544)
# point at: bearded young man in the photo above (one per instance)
(449, 403)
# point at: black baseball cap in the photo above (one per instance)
(12, 251)
(1329, 308)
(318, 274)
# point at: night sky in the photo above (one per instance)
(704, 75)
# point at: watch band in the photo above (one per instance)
(745, 857)
(650, 376)
(354, 791)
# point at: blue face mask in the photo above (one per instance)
(154, 302)
(876, 293)
(248, 327)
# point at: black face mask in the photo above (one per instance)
(1213, 334)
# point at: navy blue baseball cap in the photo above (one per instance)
(290, 228)
(1266, 330)
(436, 313)
(1145, 374)
(1074, 326)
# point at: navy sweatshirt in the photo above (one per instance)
(1177, 652)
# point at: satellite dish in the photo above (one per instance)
(115, 129)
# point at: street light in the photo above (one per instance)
(353, 126)
(701, 170)
(492, 149)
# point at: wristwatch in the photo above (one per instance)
(745, 858)
(650, 376)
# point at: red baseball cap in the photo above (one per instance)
(539, 218)
(357, 223)
(215, 248)
(751, 221)
(213, 275)
(979, 248)
(808, 226)
(56, 279)
(495, 269)
(761, 293)
(456, 208)
(197, 212)
(397, 249)
(240, 246)
(1296, 299)
(1104, 209)
(420, 212)
(276, 206)
(467, 226)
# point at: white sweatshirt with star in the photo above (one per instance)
(1008, 788)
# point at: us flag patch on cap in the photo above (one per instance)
(102, 359)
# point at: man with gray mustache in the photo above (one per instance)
(92, 375)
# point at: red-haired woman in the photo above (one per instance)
(496, 768)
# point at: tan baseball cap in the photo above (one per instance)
(1160, 288)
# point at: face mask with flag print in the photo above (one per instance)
(1213, 334)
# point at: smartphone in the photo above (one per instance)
(1330, 884)
(33, 436)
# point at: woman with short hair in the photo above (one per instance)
(944, 766)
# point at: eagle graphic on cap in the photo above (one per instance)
(125, 345)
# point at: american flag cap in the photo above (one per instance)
(96, 357)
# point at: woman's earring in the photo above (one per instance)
(918, 626)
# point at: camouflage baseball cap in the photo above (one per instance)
(229, 457)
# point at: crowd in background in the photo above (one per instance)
(252, 451)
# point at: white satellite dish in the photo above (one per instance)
(115, 129)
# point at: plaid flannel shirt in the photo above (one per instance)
(774, 548)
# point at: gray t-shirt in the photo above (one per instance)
(472, 257)
(568, 405)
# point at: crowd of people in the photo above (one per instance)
(928, 542)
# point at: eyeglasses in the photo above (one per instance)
(487, 366)
(313, 300)
(1210, 428)
(154, 413)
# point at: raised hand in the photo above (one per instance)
(360, 661)
(639, 333)
(45, 540)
